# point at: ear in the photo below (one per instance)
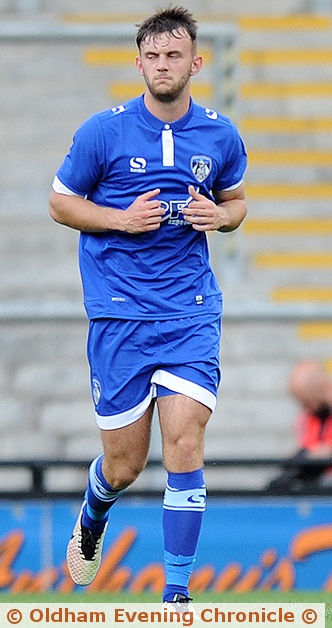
(139, 65)
(196, 65)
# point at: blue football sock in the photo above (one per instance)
(183, 509)
(99, 498)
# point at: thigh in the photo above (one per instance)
(189, 358)
(182, 423)
(126, 450)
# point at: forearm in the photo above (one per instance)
(224, 214)
(79, 213)
(232, 213)
(144, 214)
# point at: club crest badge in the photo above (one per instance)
(96, 390)
(201, 166)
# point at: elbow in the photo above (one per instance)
(245, 209)
(53, 209)
(54, 214)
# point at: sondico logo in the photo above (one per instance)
(137, 164)
(211, 114)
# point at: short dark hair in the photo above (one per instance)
(170, 20)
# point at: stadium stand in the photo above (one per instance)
(275, 272)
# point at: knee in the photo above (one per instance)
(186, 446)
(121, 475)
(184, 453)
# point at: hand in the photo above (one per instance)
(202, 213)
(144, 214)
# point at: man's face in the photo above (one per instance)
(167, 62)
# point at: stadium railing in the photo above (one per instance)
(24, 310)
(38, 487)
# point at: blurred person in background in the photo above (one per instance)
(310, 384)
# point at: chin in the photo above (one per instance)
(165, 97)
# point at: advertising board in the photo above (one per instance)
(245, 545)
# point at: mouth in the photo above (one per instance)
(163, 84)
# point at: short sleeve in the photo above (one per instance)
(83, 166)
(234, 163)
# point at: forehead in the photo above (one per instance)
(179, 40)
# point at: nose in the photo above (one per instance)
(162, 63)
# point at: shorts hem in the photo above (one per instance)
(116, 421)
(185, 387)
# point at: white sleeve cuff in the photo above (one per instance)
(232, 187)
(60, 188)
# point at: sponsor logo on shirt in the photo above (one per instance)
(137, 164)
(173, 212)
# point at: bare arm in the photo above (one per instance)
(225, 215)
(144, 214)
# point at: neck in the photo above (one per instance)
(167, 112)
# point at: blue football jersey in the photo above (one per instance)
(122, 153)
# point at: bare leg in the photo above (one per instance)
(125, 455)
(126, 451)
(183, 422)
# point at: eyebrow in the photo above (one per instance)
(169, 51)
